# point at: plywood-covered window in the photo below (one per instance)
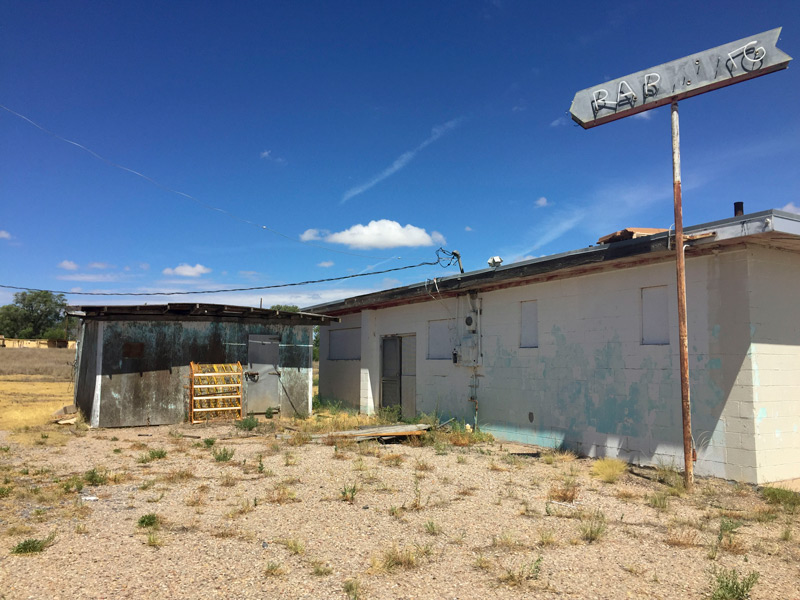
(344, 344)
(529, 324)
(655, 315)
(441, 339)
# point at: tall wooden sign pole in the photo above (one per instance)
(666, 84)
(683, 335)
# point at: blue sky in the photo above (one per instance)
(366, 133)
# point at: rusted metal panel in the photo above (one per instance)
(689, 76)
(148, 386)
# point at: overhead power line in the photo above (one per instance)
(185, 195)
(444, 259)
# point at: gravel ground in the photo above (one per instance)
(425, 522)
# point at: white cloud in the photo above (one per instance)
(643, 116)
(379, 234)
(100, 265)
(144, 266)
(467, 228)
(68, 265)
(251, 275)
(185, 270)
(542, 201)
(401, 161)
(558, 122)
(4, 235)
(325, 264)
(791, 207)
(310, 235)
(267, 155)
(527, 257)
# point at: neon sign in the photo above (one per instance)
(689, 76)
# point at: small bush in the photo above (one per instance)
(208, 442)
(246, 424)
(273, 569)
(33, 545)
(151, 520)
(352, 587)
(223, 454)
(299, 438)
(567, 492)
(726, 585)
(94, 477)
(523, 574)
(609, 469)
(5, 491)
(593, 528)
(432, 528)
(659, 501)
(786, 498)
(320, 569)
(348, 492)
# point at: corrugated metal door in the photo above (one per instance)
(408, 376)
(263, 390)
(390, 372)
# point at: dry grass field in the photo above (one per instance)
(210, 511)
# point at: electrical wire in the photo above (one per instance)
(185, 195)
(444, 259)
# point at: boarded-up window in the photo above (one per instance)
(344, 344)
(529, 324)
(655, 316)
(441, 339)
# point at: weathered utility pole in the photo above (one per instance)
(666, 84)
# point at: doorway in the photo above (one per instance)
(399, 374)
(263, 392)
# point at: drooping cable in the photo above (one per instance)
(443, 258)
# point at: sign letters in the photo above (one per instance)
(689, 76)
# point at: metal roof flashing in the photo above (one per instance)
(195, 312)
(573, 261)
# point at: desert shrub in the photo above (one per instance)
(223, 454)
(246, 424)
(33, 545)
(786, 498)
(609, 469)
(151, 520)
(726, 585)
(94, 477)
(208, 442)
(593, 528)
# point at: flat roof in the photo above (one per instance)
(195, 312)
(774, 228)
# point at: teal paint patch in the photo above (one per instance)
(762, 414)
(715, 332)
(523, 435)
(752, 330)
(715, 364)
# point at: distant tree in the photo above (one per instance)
(33, 314)
(286, 307)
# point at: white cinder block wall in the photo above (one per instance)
(774, 361)
(592, 385)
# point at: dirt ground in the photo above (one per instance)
(155, 512)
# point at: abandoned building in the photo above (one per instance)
(135, 364)
(580, 349)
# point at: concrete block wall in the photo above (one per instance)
(592, 385)
(774, 360)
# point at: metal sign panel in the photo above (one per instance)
(683, 78)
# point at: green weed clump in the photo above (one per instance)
(154, 454)
(33, 545)
(151, 520)
(95, 477)
(788, 499)
(208, 442)
(727, 585)
(246, 424)
(223, 454)
(348, 492)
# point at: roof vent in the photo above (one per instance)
(628, 233)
